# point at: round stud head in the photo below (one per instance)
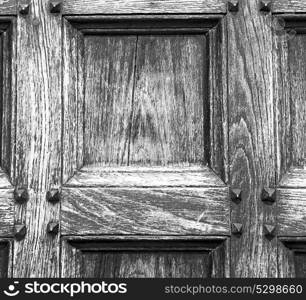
(53, 228)
(24, 8)
(265, 6)
(21, 195)
(233, 6)
(20, 231)
(268, 195)
(55, 6)
(269, 231)
(53, 196)
(237, 228)
(235, 195)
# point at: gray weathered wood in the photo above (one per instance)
(38, 138)
(6, 212)
(168, 109)
(145, 211)
(294, 178)
(292, 212)
(217, 97)
(289, 6)
(82, 7)
(73, 99)
(109, 79)
(251, 138)
(4, 259)
(8, 7)
(145, 177)
(147, 257)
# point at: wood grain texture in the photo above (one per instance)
(81, 7)
(169, 103)
(251, 138)
(289, 6)
(6, 212)
(143, 258)
(145, 177)
(8, 7)
(38, 138)
(291, 212)
(4, 259)
(109, 79)
(73, 100)
(8, 93)
(294, 178)
(217, 98)
(297, 81)
(145, 211)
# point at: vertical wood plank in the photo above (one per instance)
(38, 138)
(251, 138)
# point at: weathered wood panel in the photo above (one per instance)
(82, 7)
(38, 138)
(166, 257)
(8, 97)
(73, 99)
(294, 178)
(169, 104)
(145, 177)
(4, 259)
(8, 7)
(6, 212)
(109, 79)
(145, 211)
(292, 212)
(289, 6)
(217, 149)
(251, 138)
(297, 81)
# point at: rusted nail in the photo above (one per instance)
(53, 228)
(268, 195)
(269, 231)
(237, 228)
(233, 5)
(265, 6)
(20, 230)
(21, 195)
(53, 196)
(235, 195)
(55, 6)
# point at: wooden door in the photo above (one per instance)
(152, 138)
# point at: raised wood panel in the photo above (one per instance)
(109, 80)
(251, 137)
(81, 7)
(144, 100)
(292, 212)
(144, 258)
(289, 6)
(145, 211)
(4, 259)
(170, 109)
(8, 7)
(145, 177)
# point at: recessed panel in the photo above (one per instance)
(4, 259)
(145, 99)
(297, 105)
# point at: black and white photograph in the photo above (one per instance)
(152, 139)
